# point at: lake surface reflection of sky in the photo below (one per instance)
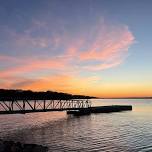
(114, 132)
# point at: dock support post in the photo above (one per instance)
(44, 105)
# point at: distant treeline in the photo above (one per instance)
(31, 95)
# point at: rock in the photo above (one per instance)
(2, 148)
(10, 146)
(40, 148)
(34, 148)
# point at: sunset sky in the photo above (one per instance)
(92, 47)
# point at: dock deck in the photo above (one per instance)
(101, 109)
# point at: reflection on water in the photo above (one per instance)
(114, 132)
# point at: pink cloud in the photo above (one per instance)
(28, 65)
(104, 66)
(104, 46)
(112, 47)
(102, 50)
(5, 58)
(104, 43)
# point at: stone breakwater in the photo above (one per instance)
(11, 146)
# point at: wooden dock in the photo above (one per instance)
(73, 106)
(101, 109)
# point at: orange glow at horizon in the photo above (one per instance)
(90, 86)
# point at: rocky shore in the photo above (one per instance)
(11, 146)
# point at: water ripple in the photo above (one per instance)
(115, 132)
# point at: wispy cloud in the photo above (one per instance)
(29, 65)
(108, 49)
(97, 47)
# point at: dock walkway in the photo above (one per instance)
(29, 106)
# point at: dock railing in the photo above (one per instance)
(28, 106)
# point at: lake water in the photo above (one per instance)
(129, 131)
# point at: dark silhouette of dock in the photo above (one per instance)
(29, 106)
(100, 109)
(73, 106)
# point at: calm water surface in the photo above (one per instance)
(114, 132)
